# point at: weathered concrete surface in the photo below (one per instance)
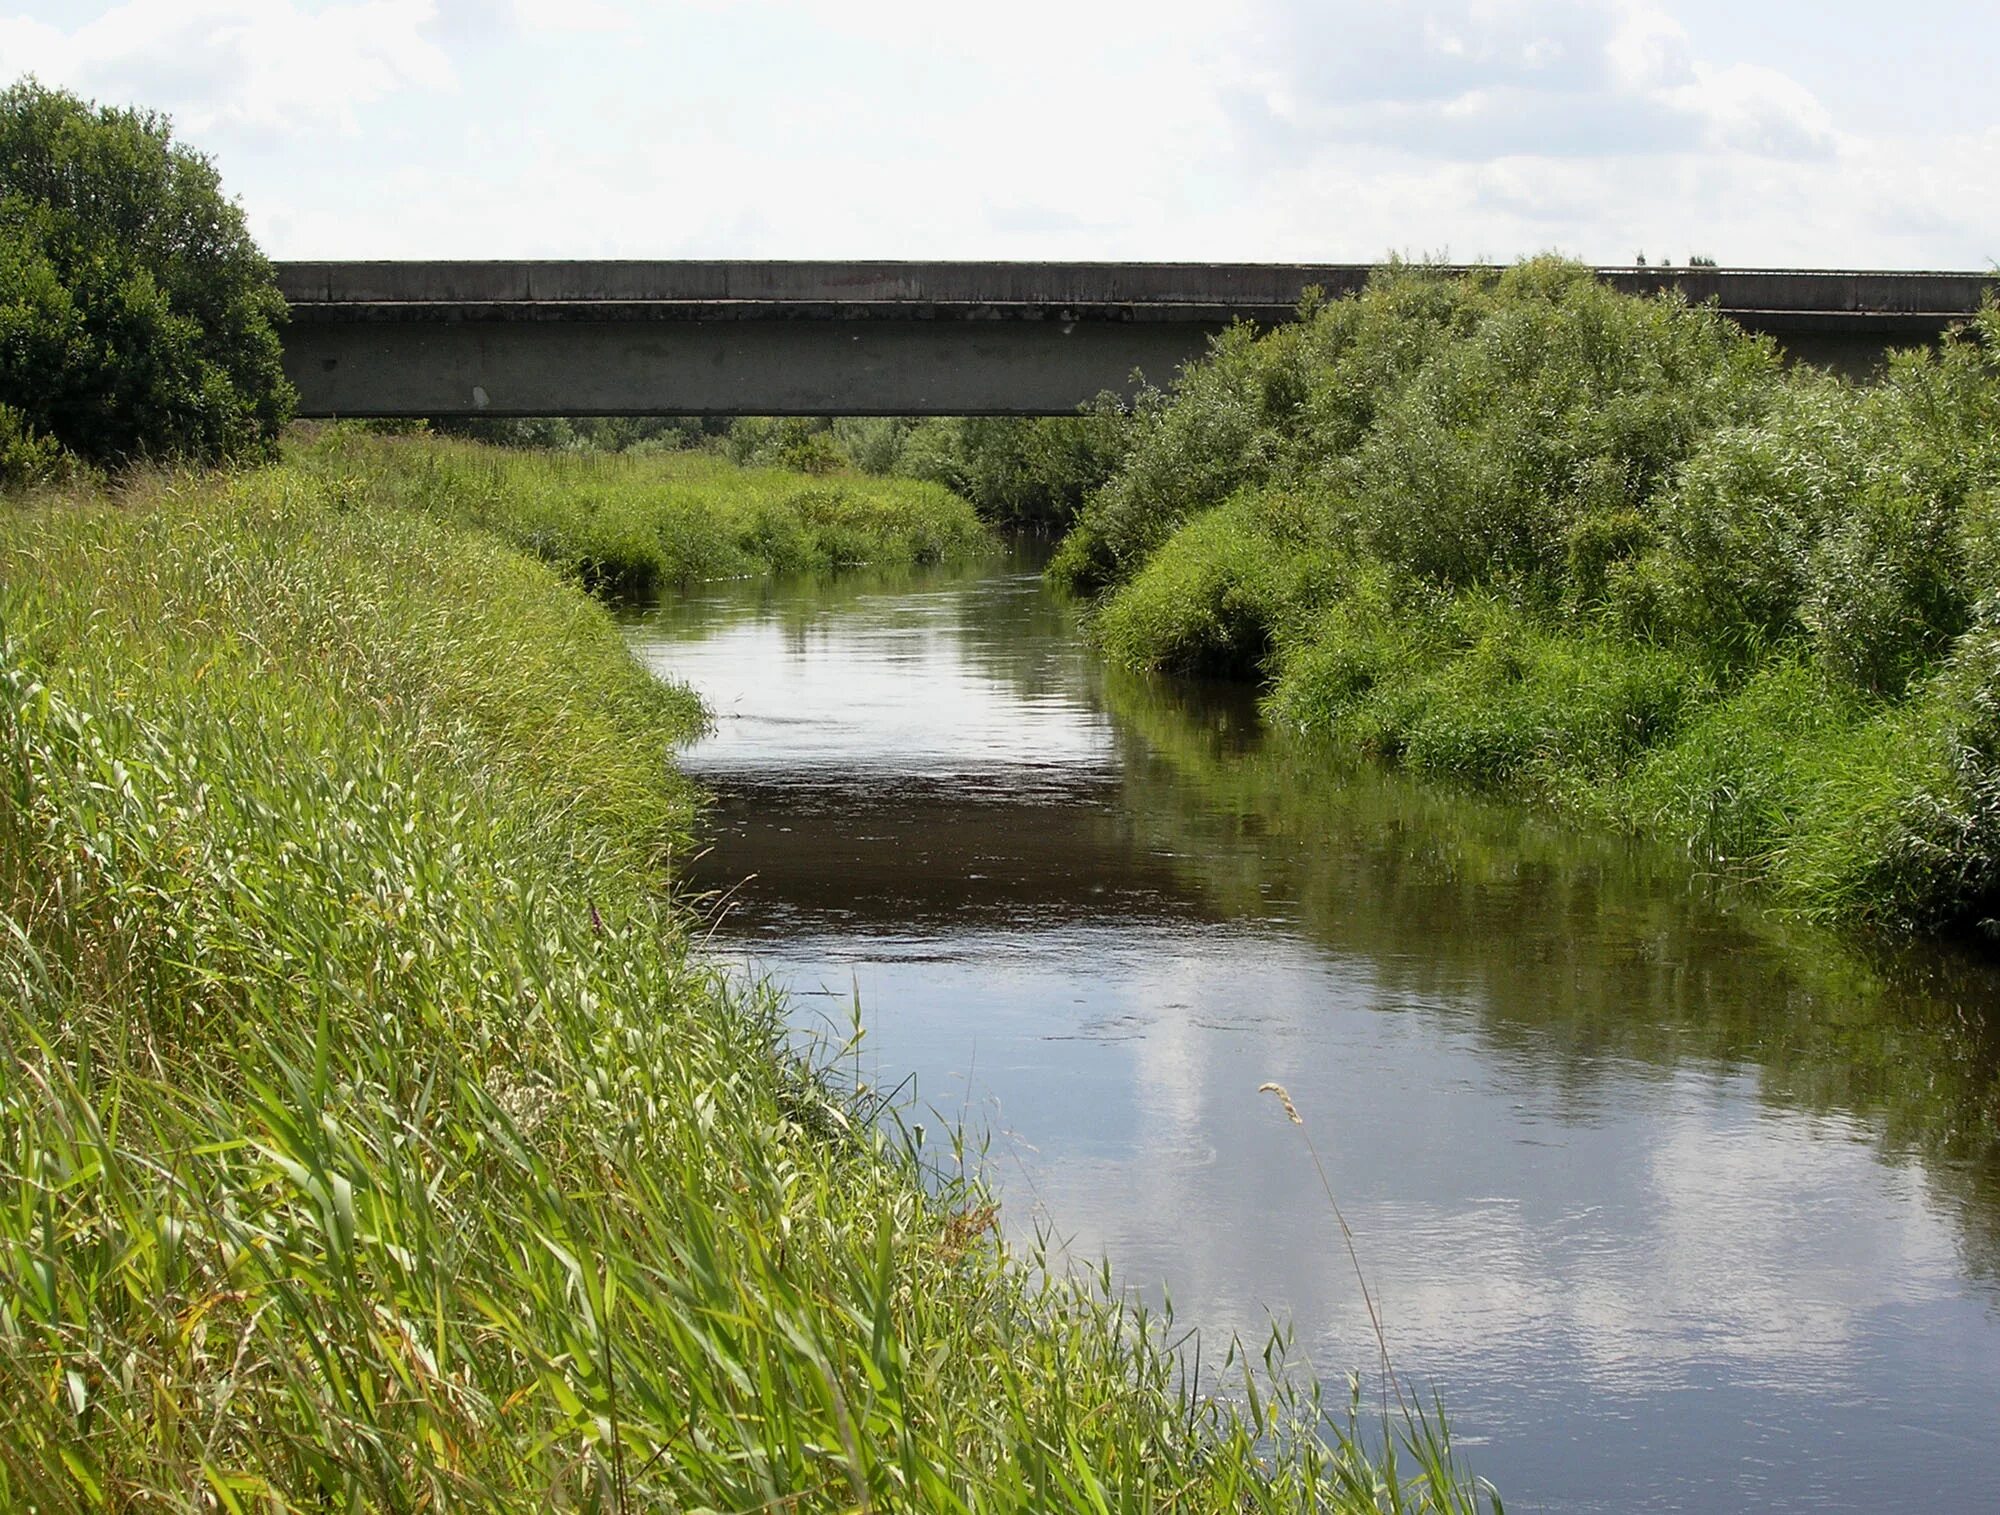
(759, 338)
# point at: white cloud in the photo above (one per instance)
(263, 65)
(1649, 50)
(1479, 79)
(572, 16)
(803, 128)
(1745, 108)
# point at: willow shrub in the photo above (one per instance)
(1566, 403)
(1523, 529)
(372, 1141)
(1025, 472)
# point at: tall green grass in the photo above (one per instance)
(630, 525)
(1524, 531)
(371, 1137)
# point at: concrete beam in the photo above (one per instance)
(761, 338)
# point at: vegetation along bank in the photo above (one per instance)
(369, 1136)
(374, 1140)
(631, 524)
(1525, 532)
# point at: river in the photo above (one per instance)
(1675, 1206)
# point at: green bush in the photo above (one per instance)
(1184, 457)
(1903, 825)
(1600, 543)
(572, 433)
(137, 317)
(1526, 530)
(1282, 406)
(1470, 687)
(1854, 521)
(1738, 526)
(1226, 589)
(26, 456)
(874, 444)
(802, 444)
(1028, 472)
(1568, 401)
(1729, 785)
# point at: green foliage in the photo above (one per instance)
(1903, 826)
(1524, 530)
(1183, 458)
(572, 433)
(137, 317)
(1599, 542)
(1568, 401)
(803, 444)
(629, 525)
(805, 450)
(800, 443)
(1729, 786)
(1024, 473)
(873, 444)
(372, 1140)
(1468, 686)
(27, 458)
(1224, 590)
(1032, 472)
(1281, 406)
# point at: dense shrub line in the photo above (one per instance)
(1020, 473)
(1525, 531)
(630, 524)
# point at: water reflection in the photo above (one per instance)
(1676, 1207)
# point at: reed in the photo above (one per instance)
(372, 1137)
(629, 525)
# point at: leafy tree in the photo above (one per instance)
(137, 316)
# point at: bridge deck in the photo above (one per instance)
(685, 338)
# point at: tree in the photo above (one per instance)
(137, 317)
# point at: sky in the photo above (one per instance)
(1762, 133)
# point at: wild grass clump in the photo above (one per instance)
(1519, 529)
(1218, 594)
(630, 525)
(371, 1138)
(1473, 688)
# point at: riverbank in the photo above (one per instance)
(1534, 535)
(1597, 1120)
(375, 1139)
(629, 525)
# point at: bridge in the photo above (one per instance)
(884, 338)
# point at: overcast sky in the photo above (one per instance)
(1760, 132)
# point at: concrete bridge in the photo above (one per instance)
(744, 338)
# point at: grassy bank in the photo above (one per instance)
(629, 525)
(371, 1138)
(1526, 532)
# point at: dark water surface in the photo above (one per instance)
(1677, 1208)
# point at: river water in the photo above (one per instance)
(1675, 1206)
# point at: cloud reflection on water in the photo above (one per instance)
(1625, 1198)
